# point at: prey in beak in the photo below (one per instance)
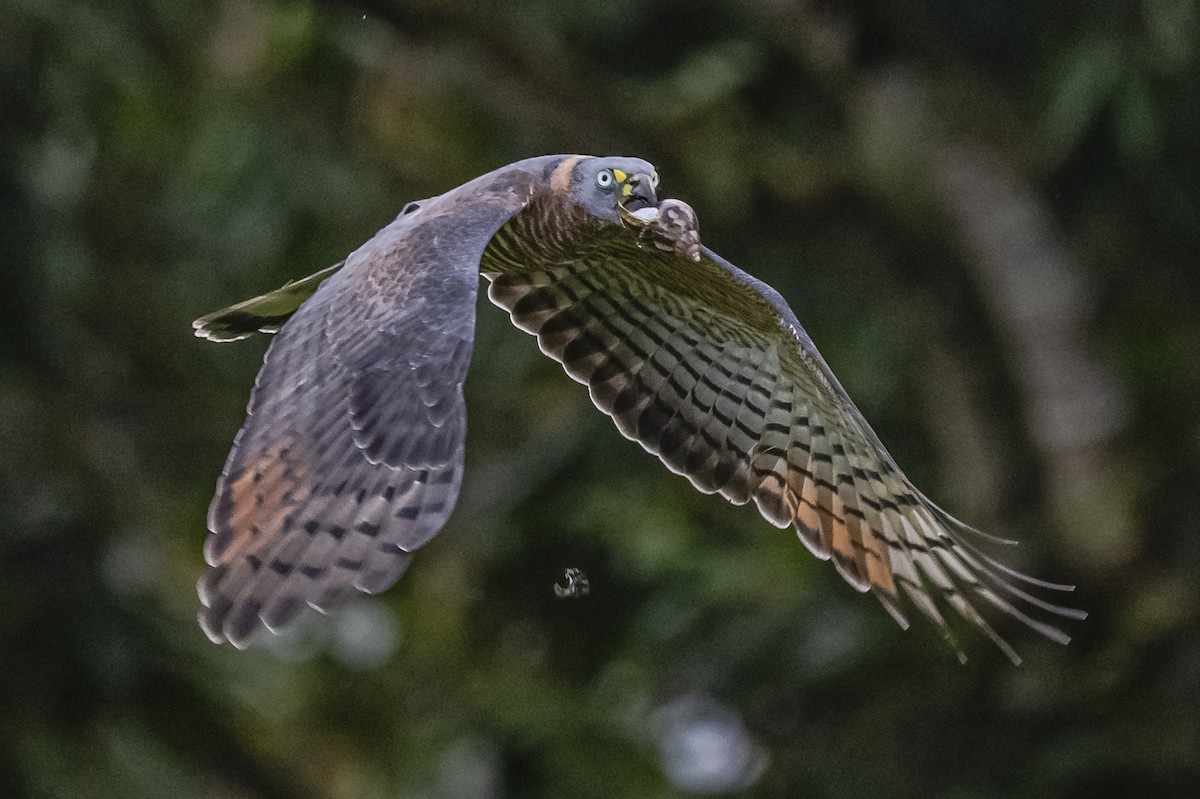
(671, 224)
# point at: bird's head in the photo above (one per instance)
(604, 185)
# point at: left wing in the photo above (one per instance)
(707, 368)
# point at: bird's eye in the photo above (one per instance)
(654, 179)
(604, 179)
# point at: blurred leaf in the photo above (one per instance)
(1081, 87)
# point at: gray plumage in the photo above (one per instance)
(351, 455)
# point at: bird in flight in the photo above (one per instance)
(351, 456)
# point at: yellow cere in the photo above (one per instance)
(620, 175)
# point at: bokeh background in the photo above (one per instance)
(987, 214)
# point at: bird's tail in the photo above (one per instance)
(265, 313)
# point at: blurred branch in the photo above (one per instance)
(525, 72)
(1040, 303)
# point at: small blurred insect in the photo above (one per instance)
(577, 584)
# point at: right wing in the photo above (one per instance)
(351, 455)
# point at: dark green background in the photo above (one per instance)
(987, 214)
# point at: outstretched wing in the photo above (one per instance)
(708, 369)
(351, 455)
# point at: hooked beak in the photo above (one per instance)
(636, 191)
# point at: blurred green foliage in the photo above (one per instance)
(160, 160)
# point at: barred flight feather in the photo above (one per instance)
(351, 455)
(707, 372)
